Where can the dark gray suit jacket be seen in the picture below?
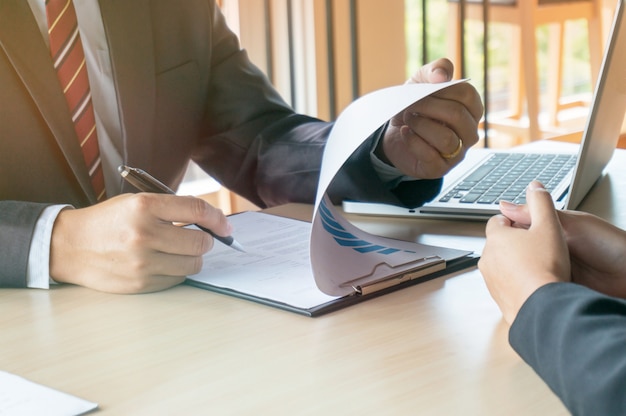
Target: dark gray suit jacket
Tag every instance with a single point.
(575, 339)
(185, 91)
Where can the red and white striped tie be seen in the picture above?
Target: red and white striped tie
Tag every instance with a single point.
(69, 61)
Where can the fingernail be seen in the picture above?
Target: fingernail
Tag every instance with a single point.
(535, 185)
(509, 205)
(441, 72)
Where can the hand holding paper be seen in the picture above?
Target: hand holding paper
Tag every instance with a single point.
(430, 136)
(366, 114)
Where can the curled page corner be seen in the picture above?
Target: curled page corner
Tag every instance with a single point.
(341, 252)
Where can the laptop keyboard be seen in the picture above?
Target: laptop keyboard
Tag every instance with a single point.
(505, 176)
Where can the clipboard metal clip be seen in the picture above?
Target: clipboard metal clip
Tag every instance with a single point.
(372, 284)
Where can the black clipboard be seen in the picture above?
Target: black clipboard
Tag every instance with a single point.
(451, 267)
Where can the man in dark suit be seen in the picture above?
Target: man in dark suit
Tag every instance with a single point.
(559, 279)
(169, 83)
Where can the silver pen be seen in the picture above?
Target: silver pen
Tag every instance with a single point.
(145, 182)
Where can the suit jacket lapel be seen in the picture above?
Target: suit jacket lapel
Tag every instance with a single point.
(128, 29)
(21, 40)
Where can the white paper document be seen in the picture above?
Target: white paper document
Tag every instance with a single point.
(301, 265)
(19, 396)
(276, 265)
(330, 233)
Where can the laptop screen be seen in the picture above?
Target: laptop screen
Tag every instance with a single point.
(606, 116)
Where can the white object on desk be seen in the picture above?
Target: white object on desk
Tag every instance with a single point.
(19, 396)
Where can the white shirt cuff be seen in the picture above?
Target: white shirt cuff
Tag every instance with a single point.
(38, 271)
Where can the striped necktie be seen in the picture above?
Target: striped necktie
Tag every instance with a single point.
(69, 62)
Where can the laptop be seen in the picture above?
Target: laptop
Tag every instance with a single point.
(473, 189)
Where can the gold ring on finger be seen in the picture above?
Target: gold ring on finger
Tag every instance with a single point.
(455, 153)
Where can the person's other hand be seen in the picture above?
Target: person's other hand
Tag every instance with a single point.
(596, 248)
(130, 244)
(431, 136)
(516, 261)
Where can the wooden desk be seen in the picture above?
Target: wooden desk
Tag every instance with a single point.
(438, 348)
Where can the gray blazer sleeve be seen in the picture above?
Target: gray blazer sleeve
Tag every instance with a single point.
(17, 223)
(575, 339)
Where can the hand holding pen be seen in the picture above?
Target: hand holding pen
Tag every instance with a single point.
(147, 183)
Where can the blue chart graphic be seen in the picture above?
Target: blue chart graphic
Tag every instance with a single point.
(347, 239)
